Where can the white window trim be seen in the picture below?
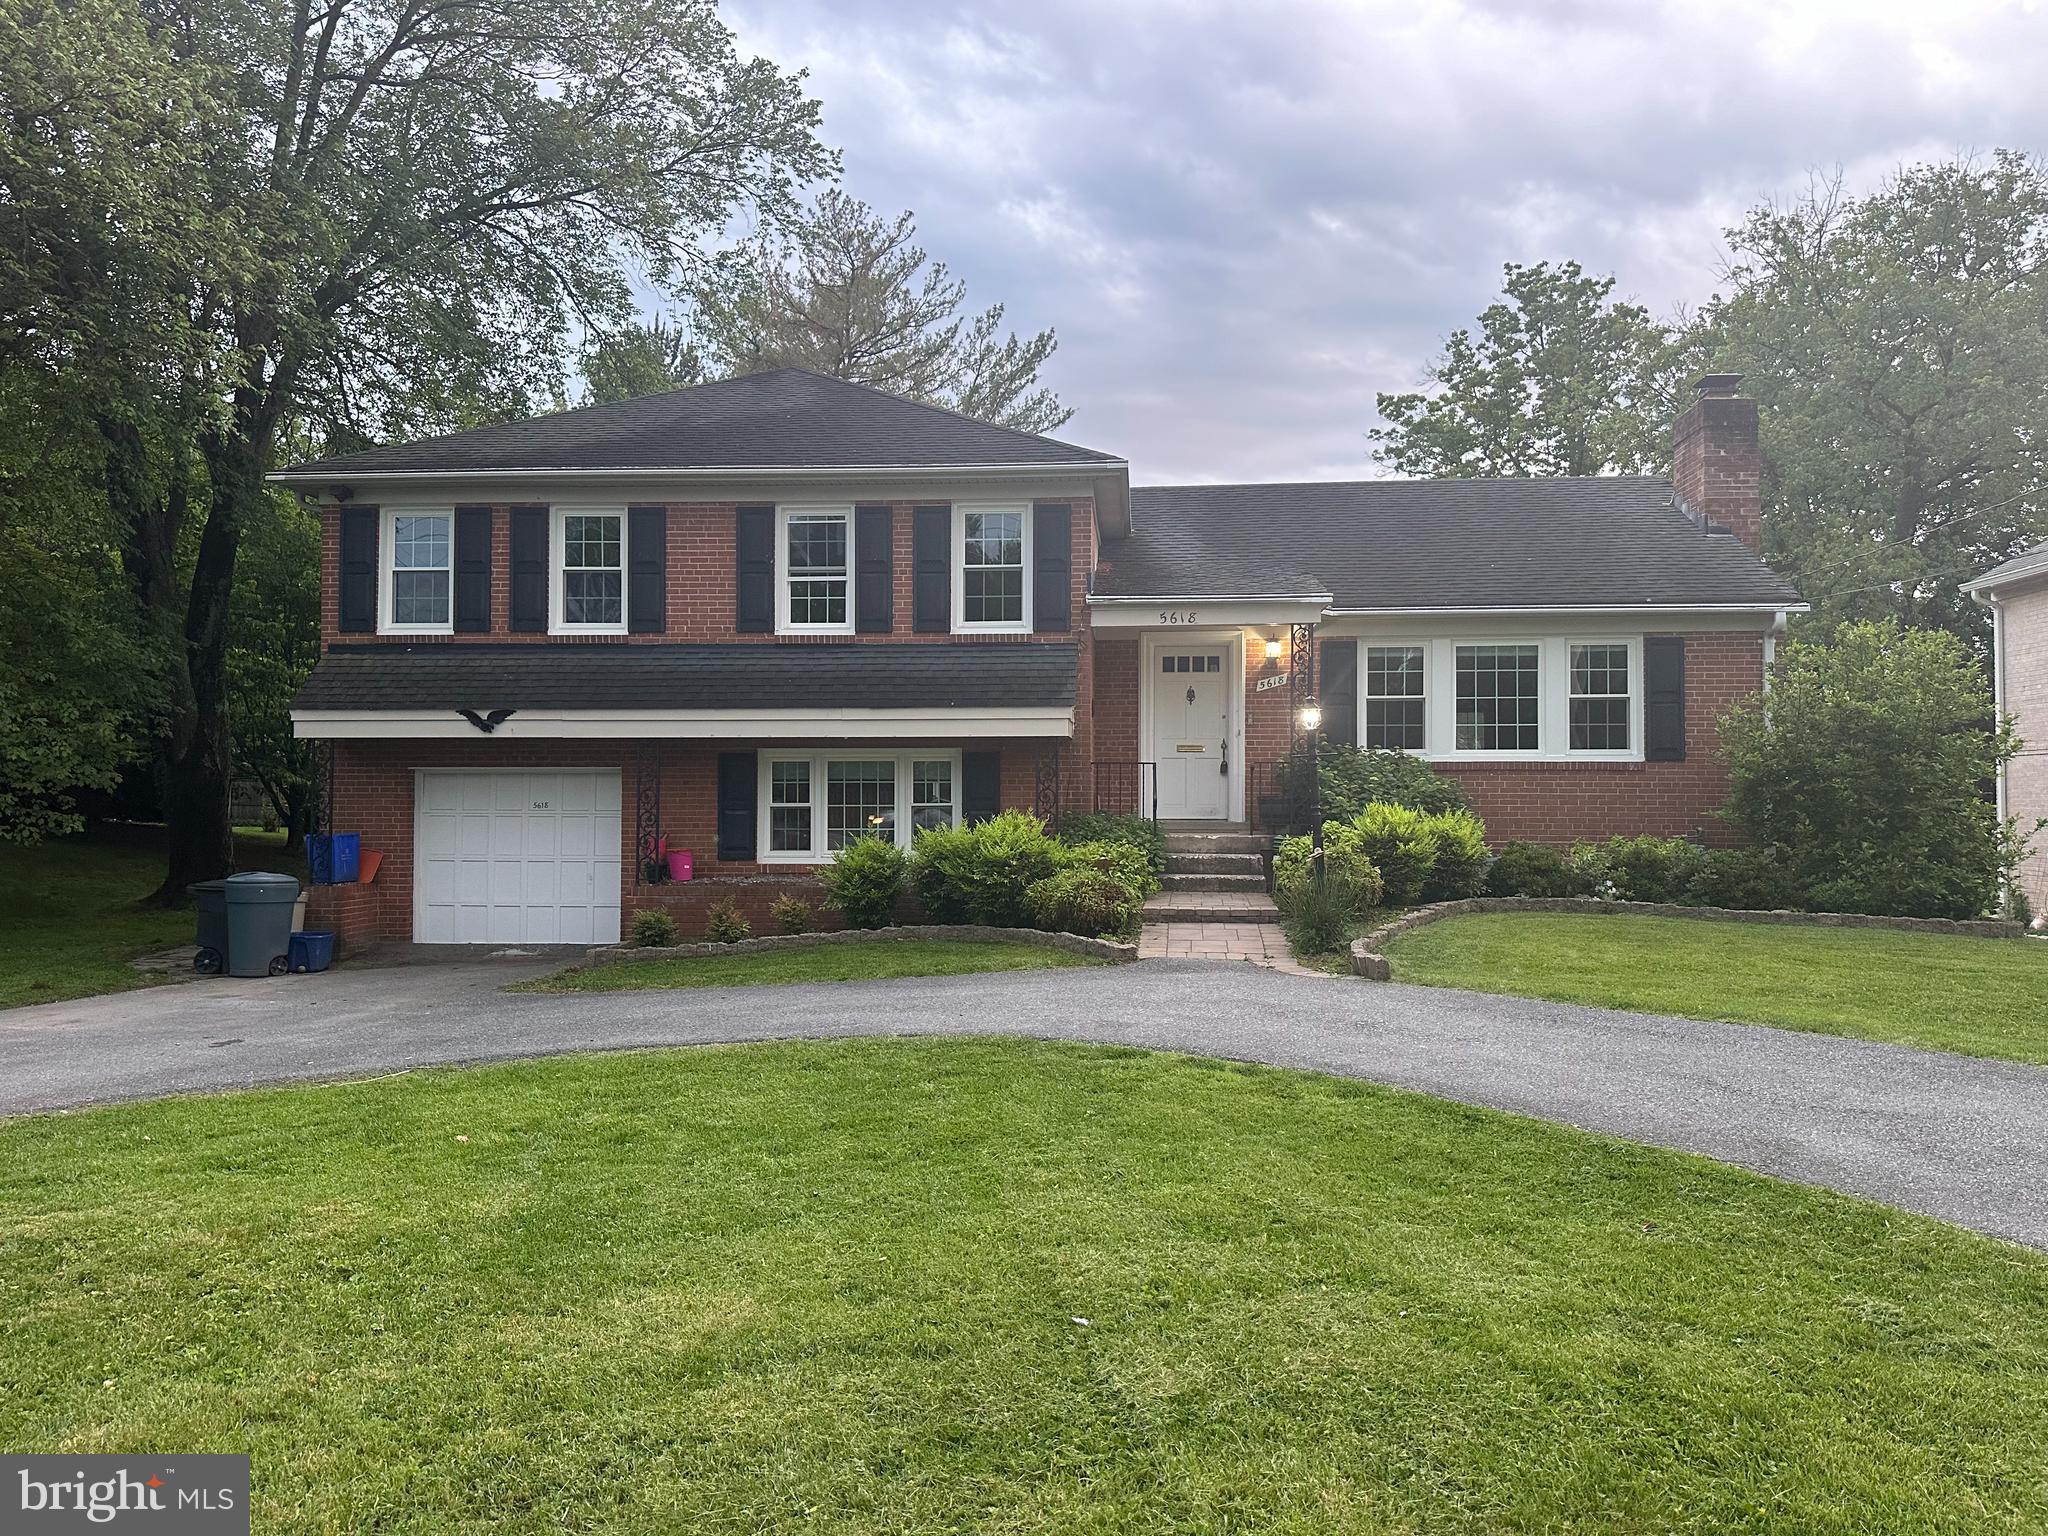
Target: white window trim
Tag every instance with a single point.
(817, 853)
(783, 624)
(1553, 696)
(558, 585)
(1428, 686)
(960, 511)
(387, 584)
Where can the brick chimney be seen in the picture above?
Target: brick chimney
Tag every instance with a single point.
(1716, 466)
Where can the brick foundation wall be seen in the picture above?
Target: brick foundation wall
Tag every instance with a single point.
(2023, 630)
(373, 796)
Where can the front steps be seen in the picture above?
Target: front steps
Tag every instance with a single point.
(1214, 874)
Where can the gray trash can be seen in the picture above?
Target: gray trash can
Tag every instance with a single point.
(260, 923)
(210, 897)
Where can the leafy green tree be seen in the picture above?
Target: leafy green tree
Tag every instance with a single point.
(848, 292)
(1897, 345)
(1561, 379)
(1865, 766)
(389, 211)
(640, 358)
(274, 629)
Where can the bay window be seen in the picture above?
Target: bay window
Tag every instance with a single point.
(815, 803)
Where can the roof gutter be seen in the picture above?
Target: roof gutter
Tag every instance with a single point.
(314, 475)
(1772, 608)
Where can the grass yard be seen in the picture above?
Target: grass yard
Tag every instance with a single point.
(827, 962)
(70, 913)
(1981, 997)
(999, 1286)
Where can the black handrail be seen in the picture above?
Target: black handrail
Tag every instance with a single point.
(1127, 789)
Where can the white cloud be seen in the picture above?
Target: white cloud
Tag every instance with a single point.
(1246, 220)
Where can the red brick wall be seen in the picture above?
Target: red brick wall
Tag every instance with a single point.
(373, 796)
(1717, 466)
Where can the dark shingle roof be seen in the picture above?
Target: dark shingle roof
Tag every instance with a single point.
(786, 419)
(2027, 563)
(949, 675)
(1611, 541)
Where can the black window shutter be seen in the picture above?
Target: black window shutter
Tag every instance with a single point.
(1052, 566)
(646, 570)
(358, 570)
(981, 785)
(529, 569)
(1339, 697)
(1664, 698)
(931, 570)
(874, 567)
(754, 548)
(737, 812)
(473, 570)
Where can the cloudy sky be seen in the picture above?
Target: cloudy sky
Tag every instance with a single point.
(1244, 219)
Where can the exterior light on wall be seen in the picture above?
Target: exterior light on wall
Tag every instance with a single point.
(1273, 650)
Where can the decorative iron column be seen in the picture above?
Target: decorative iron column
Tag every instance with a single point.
(323, 785)
(1301, 682)
(646, 808)
(1046, 789)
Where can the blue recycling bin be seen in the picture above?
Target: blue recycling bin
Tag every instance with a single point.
(311, 950)
(333, 858)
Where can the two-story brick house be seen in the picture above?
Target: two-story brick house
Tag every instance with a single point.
(2017, 595)
(763, 616)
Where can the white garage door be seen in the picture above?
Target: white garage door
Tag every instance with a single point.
(507, 857)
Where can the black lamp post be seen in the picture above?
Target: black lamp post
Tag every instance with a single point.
(1311, 721)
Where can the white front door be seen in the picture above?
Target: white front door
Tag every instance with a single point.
(1191, 731)
(516, 857)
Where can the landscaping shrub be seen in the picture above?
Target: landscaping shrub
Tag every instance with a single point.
(1462, 857)
(1531, 869)
(724, 923)
(1346, 870)
(1320, 917)
(654, 927)
(1590, 872)
(1012, 853)
(941, 865)
(1103, 827)
(1121, 861)
(1354, 777)
(1401, 843)
(1867, 774)
(1084, 900)
(1651, 868)
(1747, 879)
(793, 914)
(865, 880)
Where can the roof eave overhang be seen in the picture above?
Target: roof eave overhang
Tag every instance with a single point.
(1996, 584)
(1123, 611)
(695, 725)
(1101, 471)
(1567, 608)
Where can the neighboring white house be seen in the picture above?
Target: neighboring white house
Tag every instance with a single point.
(2017, 595)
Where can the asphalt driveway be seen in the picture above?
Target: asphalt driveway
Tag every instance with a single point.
(1954, 1137)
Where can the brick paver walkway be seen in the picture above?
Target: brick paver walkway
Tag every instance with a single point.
(1258, 943)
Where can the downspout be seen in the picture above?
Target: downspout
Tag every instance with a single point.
(1997, 610)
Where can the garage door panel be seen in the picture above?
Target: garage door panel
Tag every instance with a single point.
(514, 856)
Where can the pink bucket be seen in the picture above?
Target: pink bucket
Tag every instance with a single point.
(680, 864)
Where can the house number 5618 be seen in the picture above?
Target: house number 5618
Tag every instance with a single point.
(1176, 615)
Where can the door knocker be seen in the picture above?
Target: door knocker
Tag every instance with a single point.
(1191, 695)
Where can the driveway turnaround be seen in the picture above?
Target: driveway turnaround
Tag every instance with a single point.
(1951, 1136)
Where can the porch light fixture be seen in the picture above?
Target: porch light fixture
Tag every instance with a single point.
(1311, 717)
(1272, 650)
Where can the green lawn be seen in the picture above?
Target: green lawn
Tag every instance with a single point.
(827, 962)
(71, 916)
(996, 1286)
(1982, 997)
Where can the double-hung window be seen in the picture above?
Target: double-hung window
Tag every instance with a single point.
(992, 555)
(590, 564)
(1499, 702)
(1600, 697)
(418, 575)
(1396, 697)
(815, 803)
(813, 592)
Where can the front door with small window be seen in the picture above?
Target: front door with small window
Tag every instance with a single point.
(1191, 733)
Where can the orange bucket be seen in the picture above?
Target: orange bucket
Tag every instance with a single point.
(371, 861)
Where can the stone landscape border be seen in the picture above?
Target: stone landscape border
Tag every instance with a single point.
(1368, 960)
(1072, 943)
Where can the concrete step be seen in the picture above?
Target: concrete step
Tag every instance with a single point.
(1180, 882)
(1216, 864)
(1214, 842)
(1211, 907)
